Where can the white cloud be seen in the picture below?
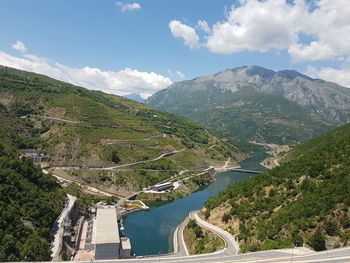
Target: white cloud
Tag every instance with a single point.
(312, 52)
(128, 7)
(202, 24)
(187, 33)
(308, 30)
(180, 74)
(340, 76)
(255, 26)
(121, 82)
(19, 46)
(329, 25)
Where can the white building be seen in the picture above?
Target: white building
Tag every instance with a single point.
(125, 251)
(162, 187)
(107, 240)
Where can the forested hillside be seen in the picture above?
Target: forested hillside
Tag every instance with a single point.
(30, 202)
(304, 201)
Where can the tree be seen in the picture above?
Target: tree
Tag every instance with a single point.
(206, 213)
(35, 249)
(8, 248)
(297, 240)
(331, 228)
(115, 158)
(198, 231)
(191, 224)
(317, 240)
(226, 217)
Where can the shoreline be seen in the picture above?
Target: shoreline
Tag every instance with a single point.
(210, 171)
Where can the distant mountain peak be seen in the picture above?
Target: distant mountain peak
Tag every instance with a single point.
(135, 97)
(292, 74)
(262, 72)
(268, 74)
(259, 103)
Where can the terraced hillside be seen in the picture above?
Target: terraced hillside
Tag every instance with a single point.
(77, 127)
(306, 200)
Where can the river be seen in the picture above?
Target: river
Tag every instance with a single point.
(151, 232)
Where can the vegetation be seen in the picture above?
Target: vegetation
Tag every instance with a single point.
(304, 201)
(30, 202)
(200, 241)
(100, 118)
(244, 115)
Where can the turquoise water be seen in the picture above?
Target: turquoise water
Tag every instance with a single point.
(151, 232)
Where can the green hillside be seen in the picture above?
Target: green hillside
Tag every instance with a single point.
(243, 114)
(87, 120)
(30, 202)
(304, 201)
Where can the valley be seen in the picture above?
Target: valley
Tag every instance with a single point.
(136, 131)
(136, 151)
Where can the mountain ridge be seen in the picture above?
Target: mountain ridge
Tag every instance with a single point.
(317, 105)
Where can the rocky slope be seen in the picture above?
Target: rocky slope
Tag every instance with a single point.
(259, 104)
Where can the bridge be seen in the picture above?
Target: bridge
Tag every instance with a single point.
(246, 171)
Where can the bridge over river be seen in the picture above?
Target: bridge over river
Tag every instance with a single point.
(246, 171)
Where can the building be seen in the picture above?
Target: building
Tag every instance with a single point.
(162, 187)
(125, 251)
(107, 239)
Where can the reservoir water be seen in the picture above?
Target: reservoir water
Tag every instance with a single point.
(151, 232)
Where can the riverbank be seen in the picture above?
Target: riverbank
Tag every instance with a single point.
(152, 232)
(182, 189)
(185, 185)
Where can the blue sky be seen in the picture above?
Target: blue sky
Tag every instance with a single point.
(111, 42)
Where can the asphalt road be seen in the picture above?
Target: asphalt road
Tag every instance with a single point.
(180, 248)
(295, 255)
(54, 119)
(69, 167)
(232, 247)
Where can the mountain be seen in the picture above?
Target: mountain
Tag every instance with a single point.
(135, 97)
(304, 201)
(73, 126)
(259, 104)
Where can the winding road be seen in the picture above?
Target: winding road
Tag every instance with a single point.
(121, 142)
(70, 167)
(52, 118)
(232, 247)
